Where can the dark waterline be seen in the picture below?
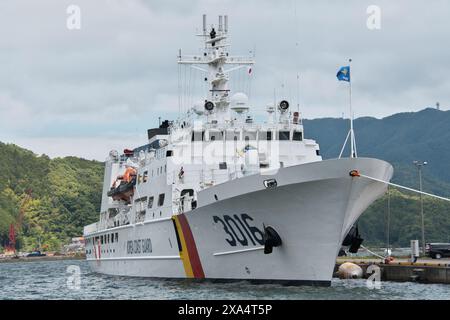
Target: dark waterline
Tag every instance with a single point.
(48, 280)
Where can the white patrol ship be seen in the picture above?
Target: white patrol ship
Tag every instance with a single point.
(214, 195)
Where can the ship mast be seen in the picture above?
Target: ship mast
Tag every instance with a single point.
(216, 58)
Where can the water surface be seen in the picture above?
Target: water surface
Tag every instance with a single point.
(48, 280)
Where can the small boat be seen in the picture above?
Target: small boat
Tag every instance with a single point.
(124, 191)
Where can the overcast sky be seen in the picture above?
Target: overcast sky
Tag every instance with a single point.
(84, 92)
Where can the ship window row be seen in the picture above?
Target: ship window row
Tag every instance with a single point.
(140, 203)
(143, 178)
(103, 239)
(89, 251)
(247, 135)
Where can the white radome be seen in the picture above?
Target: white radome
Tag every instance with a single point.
(239, 99)
(198, 108)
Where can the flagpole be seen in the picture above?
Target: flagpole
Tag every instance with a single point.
(352, 135)
(344, 74)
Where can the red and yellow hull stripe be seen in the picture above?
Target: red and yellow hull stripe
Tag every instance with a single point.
(188, 253)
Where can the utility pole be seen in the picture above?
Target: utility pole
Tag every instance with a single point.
(388, 222)
(419, 165)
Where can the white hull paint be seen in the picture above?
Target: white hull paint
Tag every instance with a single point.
(312, 209)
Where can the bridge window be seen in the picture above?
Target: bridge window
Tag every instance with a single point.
(150, 202)
(232, 135)
(298, 136)
(283, 135)
(249, 135)
(145, 176)
(161, 199)
(198, 135)
(215, 136)
(265, 135)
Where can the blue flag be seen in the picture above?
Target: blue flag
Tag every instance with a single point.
(344, 74)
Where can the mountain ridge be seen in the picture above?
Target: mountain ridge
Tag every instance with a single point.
(399, 139)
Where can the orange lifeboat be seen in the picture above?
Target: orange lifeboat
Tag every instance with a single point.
(125, 190)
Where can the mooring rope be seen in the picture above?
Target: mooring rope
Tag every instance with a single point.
(403, 187)
(357, 174)
(373, 253)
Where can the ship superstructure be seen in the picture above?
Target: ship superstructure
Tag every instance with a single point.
(215, 194)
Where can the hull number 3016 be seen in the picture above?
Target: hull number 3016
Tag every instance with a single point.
(240, 229)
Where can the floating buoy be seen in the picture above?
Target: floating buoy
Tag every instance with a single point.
(350, 270)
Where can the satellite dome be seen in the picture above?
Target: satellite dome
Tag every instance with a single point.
(198, 108)
(239, 99)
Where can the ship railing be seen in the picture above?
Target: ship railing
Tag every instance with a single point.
(207, 177)
(183, 203)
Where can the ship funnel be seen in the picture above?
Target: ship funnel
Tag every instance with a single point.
(226, 23)
(220, 23)
(204, 24)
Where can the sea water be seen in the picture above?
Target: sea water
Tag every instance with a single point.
(73, 279)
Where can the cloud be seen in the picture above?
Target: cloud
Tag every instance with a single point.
(120, 71)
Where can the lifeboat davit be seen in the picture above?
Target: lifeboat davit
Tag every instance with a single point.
(124, 191)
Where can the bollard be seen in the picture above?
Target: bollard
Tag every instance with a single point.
(414, 250)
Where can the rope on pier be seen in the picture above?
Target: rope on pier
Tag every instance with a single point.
(373, 253)
(403, 187)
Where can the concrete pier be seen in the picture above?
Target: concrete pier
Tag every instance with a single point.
(423, 270)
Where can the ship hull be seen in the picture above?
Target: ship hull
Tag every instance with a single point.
(312, 207)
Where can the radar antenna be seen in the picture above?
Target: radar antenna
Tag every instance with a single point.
(216, 58)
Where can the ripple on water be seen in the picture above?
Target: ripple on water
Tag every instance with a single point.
(48, 280)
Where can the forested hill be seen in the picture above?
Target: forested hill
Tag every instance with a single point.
(65, 195)
(66, 192)
(399, 139)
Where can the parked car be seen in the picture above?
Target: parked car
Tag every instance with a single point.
(437, 250)
(36, 254)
